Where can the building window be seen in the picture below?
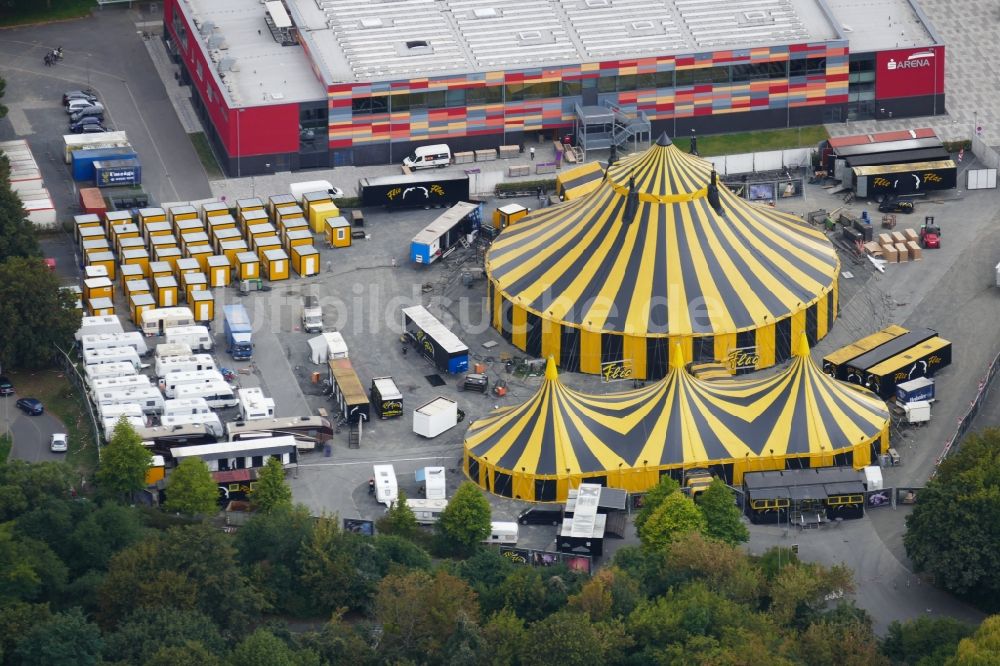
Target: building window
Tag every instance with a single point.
(366, 105)
(484, 95)
(627, 82)
(758, 71)
(816, 65)
(655, 80)
(418, 100)
(211, 94)
(180, 30)
(517, 92)
(454, 98)
(861, 71)
(702, 75)
(607, 84)
(571, 88)
(197, 69)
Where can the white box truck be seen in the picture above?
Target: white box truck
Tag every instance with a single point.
(386, 490)
(196, 337)
(299, 189)
(254, 404)
(112, 355)
(327, 347)
(435, 417)
(191, 363)
(98, 325)
(170, 381)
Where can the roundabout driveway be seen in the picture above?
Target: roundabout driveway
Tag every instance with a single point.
(31, 434)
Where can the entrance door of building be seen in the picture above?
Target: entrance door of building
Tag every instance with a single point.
(589, 92)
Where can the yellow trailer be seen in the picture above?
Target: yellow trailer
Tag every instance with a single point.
(105, 259)
(84, 221)
(163, 240)
(505, 216)
(101, 307)
(265, 243)
(338, 232)
(288, 213)
(201, 253)
(219, 271)
(298, 237)
(127, 230)
(249, 218)
(193, 282)
(133, 287)
(169, 255)
(136, 256)
(275, 264)
(230, 249)
(318, 215)
(202, 304)
(166, 291)
(305, 260)
(223, 235)
(99, 287)
(139, 304)
(193, 240)
(244, 206)
(95, 271)
(185, 265)
(91, 233)
(247, 266)
(147, 215)
(128, 272)
(212, 209)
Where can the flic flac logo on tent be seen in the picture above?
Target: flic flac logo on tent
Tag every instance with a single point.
(913, 61)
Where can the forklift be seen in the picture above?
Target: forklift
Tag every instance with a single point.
(930, 234)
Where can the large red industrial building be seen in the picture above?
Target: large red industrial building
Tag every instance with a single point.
(298, 84)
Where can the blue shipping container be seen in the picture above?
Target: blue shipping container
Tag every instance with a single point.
(117, 172)
(83, 160)
(921, 388)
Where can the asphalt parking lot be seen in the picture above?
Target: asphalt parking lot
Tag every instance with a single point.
(30, 434)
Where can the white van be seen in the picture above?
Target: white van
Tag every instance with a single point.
(100, 324)
(132, 339)
(148, 398)
(108, 383)
(112, 355)
(213, 425)
(124, 409)
(163, 350)
(195, 337)
(424, 157)
(157, 320)
(120, 369)
(170, 382)
(427, 511)
(501, 532)
(191, 363)
(177, 407)
(218, 395)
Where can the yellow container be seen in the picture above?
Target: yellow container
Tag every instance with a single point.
(201, 253)
(259, 231)
(99, 287)
(266, 243)
(276, 201)
(247, 266)
(212, 209)
(128, 272)
(155, 229)
(305, 260)
(100, 307)
(202, 304)
(289, 212)
(298, 237)
(160, 269)
(217, 223)
(218, 270)
(130, 243)
(231, 248)
(84, 221)
(169, 255)
(193, 240)
(246, 205)
(223, 235)
(293, 224)
(133, 287)
(91, 233)
(136, 257)
(310, 199)
(95, 271)
(188, 225)
(120, 231)
(166, 291)
(193, 282)
(338, 232)
(156, 472)
(113, 218)
(96, 244)
(147, 215)
(163, 240)
(139, 304)
(275, 264)
(318, 215)
(178, 214)
(105, 259)
(249, 218)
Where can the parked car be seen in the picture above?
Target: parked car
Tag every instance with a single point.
(96, 111)
(894, 205)
(86, 93)
(30, 406)
(93, 129)
(6, 387)
(537, 516)
(58, 443)
(87, 120)
(78, 104)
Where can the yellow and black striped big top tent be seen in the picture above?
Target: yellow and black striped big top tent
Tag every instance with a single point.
(658, 255)
(560, 438)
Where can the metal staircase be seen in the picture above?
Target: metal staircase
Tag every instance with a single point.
(634, 127)
(354, 437)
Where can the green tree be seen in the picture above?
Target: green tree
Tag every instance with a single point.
(35, 314)
(722, 517)
(399, 519)
(25, 485)
(66, 638)
(269, 547)
(982, 648)
(945, 535)
(29, 570)
(924, 641)
(147, 630)
(272, 491)
(339, 642)
(652, 500)
(190, 653)
(676, 515)
(191, 489)
(565, 638)
(465, 522)
(262, 648)
(17, 618)
(336, 570)
(101, 534)
(504, 632)
(124, 462)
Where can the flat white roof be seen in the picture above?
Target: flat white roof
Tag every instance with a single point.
(430, 325)
(886, 24)
(445, 222)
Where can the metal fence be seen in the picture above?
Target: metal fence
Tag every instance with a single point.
(80, 386)
(966, 421)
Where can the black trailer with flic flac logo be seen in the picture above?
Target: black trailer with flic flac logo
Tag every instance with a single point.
(414, 190)
(921, 360)
(857, 367)
(386, 397)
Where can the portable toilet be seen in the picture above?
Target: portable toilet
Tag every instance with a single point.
(136, 256)
(230, 249)
(318, 215)
(195, 240)
(156, 471)
(160, 228)
(84, 221)
(249, 204)
(122, 231)
(160, 269)
(105, 259)
(201, 253)
(95, 271)
(138, 304)
(127, 272)
(192, 282)
(223, 235)
(266, 243)
(504, 216)
(211, 209)
(275, 264)
(100, 307)
(202, 304)
(297, 237)
(185, 265)
(166, 291)
(133, 287)
(218, 270)
(171, 255)
(247, 266)
(338, 232)
(294, 224)
(291, 212)
(99, 287)
(305, 260)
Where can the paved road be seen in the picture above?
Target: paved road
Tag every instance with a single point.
(31, 433)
